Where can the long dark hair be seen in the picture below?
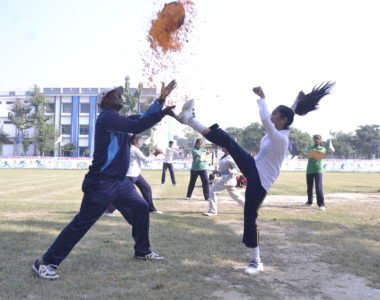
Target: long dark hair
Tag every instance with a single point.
(308, 103)
(311, 100)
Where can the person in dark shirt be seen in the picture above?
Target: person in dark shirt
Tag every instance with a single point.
(106, 182)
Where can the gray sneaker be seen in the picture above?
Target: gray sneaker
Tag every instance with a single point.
(45, 271)
(150, 256)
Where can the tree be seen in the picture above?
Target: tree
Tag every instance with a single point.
(343, 144)
(26, 143)
(251, 137)
(4, 139)
(45, 138)
(131, 101)
(367, 137)
(68, 148)
(299, 142)
(235, 132)
(39, 119)
(21, 118)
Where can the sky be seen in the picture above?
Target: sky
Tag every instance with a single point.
(283, 46)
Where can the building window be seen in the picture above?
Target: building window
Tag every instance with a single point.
(85, 108)
(83, 129)
(8, 122)
(50, 108)
(10, 102)
(66, 129)
(66, 108)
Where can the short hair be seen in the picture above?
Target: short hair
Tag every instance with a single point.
(134, 138)
(171, 142)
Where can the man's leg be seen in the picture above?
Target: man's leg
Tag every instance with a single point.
(309, 183)
(93, 205)
(171, 171)
(319, 189)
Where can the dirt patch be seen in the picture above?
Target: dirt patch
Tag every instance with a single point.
(299, 270)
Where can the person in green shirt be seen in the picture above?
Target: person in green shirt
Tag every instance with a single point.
(198, 168)
(314, 172)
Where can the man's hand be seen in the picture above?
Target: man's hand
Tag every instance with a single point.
(166, 90)
(168, 110)
(259, 92)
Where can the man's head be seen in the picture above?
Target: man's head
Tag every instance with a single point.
(317, 139)
(171, 144)
(111, 99)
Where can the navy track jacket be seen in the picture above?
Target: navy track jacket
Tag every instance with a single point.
(112, 146)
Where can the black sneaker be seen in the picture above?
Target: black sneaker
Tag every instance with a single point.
(45, 271)
(308, 203)
(150, 256)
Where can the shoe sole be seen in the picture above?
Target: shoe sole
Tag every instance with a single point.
(144, 258)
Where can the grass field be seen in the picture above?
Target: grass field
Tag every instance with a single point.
(307, 254)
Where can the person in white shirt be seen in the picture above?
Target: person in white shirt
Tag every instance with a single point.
(137, 159)
(226, 181)
(168, 163)
(262, 170)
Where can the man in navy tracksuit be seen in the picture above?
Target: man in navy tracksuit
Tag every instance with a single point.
(106, 182)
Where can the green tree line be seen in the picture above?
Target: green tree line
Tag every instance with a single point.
(364, 143)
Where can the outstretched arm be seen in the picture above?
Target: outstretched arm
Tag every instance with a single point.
(160, 101)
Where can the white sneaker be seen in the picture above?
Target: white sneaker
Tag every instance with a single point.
(150, 256)
(322, 208)
(187, 198)
(157, 212)
(45, 271)
(207, 214)
(187, 112)
(254, 268)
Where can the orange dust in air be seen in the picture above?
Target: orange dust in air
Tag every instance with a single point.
(163, 32)
(168, 33)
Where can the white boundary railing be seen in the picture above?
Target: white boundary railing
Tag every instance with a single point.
(80, 163)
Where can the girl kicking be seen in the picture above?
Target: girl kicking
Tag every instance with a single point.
(262, 170)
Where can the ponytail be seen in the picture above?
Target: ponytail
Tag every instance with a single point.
(310, 101)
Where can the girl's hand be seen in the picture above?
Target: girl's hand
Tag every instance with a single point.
(259, 92)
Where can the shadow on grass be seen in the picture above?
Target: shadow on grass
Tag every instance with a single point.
(201, 256)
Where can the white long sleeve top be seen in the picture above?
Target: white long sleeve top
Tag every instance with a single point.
(273, 148)
(169, 155)
(227, 163)
(137, 158)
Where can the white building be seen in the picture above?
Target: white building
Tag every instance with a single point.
(73, 112)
